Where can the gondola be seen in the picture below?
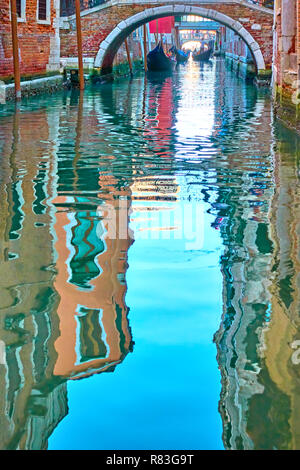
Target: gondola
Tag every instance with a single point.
(218, 53)
(180, 55)
(202, 55)
(157, 61)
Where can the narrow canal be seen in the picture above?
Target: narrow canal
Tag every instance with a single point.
(150, 267)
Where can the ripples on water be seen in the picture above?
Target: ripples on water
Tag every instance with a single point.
(201, 189)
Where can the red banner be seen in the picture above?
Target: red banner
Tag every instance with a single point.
(162, 25)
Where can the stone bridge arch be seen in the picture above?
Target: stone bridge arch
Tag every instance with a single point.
(111, 43)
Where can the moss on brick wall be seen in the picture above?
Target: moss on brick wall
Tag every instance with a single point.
(10, 79)
(286, 109)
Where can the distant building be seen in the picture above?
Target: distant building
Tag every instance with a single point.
(236, 52)
(286, 60)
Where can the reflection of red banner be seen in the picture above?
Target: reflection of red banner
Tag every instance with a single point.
(162, 25)
(160, 117)
(165, 108)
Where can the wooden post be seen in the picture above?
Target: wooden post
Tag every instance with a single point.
(14, 33)
(161, 42)
(79, 45)
(145, 47)
(128, 56)
(149, 36)
(176, 31)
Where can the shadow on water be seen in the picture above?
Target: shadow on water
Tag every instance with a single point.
(76, 203)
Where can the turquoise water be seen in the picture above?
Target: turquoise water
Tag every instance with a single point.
(165, 394)
(149, 282)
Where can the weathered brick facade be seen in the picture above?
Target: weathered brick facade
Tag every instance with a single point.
(38, 42)
(287, 61)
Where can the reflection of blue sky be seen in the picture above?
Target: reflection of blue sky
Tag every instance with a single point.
(185, 308)
(165, 394)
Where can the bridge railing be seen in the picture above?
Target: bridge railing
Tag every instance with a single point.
(67, 7)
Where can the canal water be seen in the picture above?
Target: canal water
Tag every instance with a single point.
(149, 267)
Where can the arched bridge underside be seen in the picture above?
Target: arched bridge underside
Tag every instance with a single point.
(104, 28)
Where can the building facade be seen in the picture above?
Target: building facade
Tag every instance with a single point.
(38, 34)
(286, 60)
(237, 53)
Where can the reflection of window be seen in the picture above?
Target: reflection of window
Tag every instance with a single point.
(38, 206)
(17, 212)
(43, 11)
(91, 336)
(86, 246)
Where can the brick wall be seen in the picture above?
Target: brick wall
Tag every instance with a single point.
(96, 26)
(35, 40)
(287, 60)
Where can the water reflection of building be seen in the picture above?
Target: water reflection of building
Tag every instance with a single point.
(241, 209)
(51, 331)
(31, 403)
(91, 264)
(281, 353)
(62, 292)
(246, 268)
(94, 331)
(256, 340)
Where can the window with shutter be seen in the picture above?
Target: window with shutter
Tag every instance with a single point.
(19, 12)
(42, 10)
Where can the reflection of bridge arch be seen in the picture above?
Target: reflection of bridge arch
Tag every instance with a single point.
(113, 41)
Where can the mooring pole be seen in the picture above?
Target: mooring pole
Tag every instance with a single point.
(128, 56)
(79, 44)
(14, 33)
(145, 47)
(176, 35)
